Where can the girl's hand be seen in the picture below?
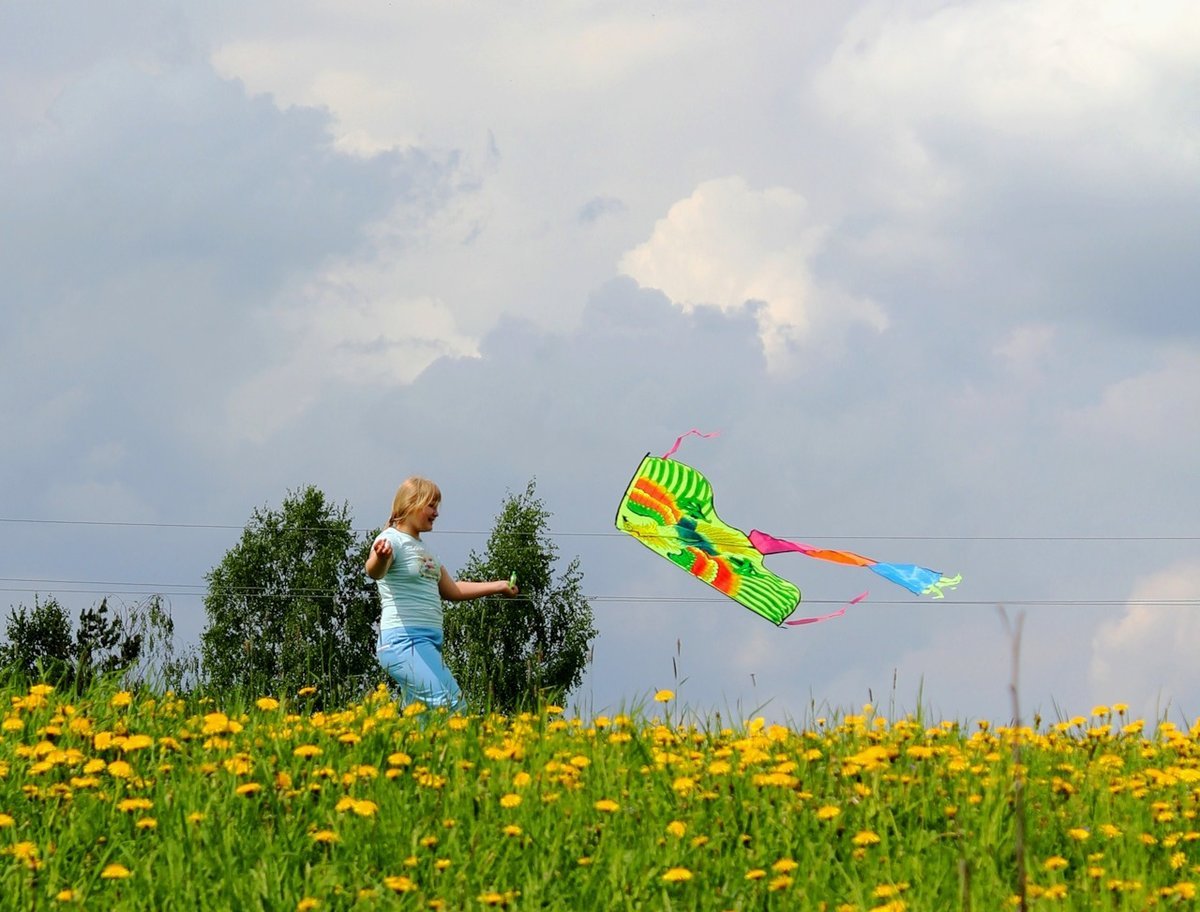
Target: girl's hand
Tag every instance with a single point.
(383, 548)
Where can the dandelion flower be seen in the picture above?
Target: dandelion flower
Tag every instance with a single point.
(123, 698)
(606, 806)
(119, 769)
(1054, 863)
(115, 872)
(828, 812)
(665, 696)
(510, 800)
(677, 828)
(307, 904)
(755, 874)
(325, 837)
(267, 704)
(677, 875)
(306, 751)
(865, 838)
(399, 883)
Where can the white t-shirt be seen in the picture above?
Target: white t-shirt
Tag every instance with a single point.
(409, 589)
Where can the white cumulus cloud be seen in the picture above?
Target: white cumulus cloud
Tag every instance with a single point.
(1147, 656)
(728, 244)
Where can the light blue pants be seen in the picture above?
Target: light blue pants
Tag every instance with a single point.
(412, 656)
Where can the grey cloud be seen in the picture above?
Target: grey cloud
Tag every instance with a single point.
(598, 207)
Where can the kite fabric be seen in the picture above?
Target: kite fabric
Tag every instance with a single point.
(668, 507)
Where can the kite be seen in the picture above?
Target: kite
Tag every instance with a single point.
(668, 507)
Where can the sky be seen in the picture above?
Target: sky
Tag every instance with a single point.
(927, 268)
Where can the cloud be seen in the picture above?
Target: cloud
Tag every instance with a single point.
(1039, 158)
(1150, 407)
(1146, 657)
(169, 238)
(727, 245)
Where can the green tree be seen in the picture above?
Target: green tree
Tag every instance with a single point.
(509, 653)
(289, 606)
(136, 641)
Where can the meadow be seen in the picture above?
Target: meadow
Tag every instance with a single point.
(114, 800)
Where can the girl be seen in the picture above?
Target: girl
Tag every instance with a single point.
(412, 585)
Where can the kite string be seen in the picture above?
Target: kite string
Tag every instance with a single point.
(678, 440)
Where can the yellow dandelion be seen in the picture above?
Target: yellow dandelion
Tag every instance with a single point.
(677, 828)
(307, 904)
(6, 821)
(146, 823)
(665, 696)
(512, 830)
(67, 895)
(606, 806)
(325, 837)
(136, 742)
(782, 882)
(115, 872)
(306, 751)
(366, 808)
(677, 875)
(123, 698)
(195, 817)
(785, 866)
(306, 691)
(865, 838)
(249, 788)
(119, 769)
(828, 812)
(1054, 863)
(398, 883)
(267, 704)
(755, 874)
(510, 800)
(1079, 834)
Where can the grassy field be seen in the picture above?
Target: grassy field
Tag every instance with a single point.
(116, 801)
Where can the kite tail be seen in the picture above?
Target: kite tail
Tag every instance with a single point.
(825, 617)
(934, 590)
(918, 580)
(679, 440)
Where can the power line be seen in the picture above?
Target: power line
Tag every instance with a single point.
(617, 534)
(199, 589)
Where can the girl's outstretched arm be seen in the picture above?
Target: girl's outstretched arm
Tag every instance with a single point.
(453, 591)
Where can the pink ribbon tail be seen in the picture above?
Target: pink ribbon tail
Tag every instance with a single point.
(825, 617)
(692, 433)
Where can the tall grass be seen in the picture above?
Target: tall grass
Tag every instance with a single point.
(112, 801)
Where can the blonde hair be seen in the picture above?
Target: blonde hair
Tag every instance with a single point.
(413, 493)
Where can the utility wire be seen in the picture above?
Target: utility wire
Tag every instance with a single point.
(198, 589)
(617, 534)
